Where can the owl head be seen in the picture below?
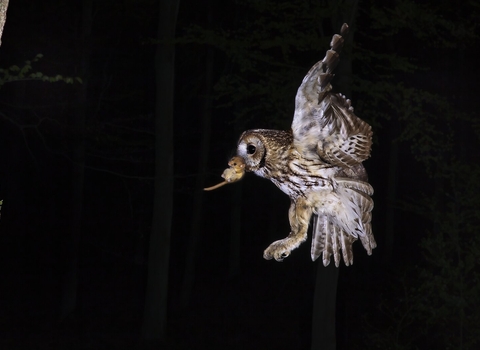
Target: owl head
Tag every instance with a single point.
(251, 147)
(262, 147)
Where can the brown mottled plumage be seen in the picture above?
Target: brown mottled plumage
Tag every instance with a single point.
(319, 166)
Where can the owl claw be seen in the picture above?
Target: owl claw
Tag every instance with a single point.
(277, 250)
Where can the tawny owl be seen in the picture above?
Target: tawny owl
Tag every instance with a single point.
(318, 164)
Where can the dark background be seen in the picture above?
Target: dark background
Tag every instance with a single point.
(414, 77)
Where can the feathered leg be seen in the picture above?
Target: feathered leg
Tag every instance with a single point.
(299, 215)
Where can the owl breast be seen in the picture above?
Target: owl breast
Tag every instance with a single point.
(295, 187)
(271, 154)
(299, 177)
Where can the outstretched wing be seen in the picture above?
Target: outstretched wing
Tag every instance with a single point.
(324, 123)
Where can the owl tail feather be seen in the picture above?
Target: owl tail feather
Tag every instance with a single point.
(335, 232)
(329, 240)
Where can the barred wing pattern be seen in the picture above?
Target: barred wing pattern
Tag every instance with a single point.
(324, 123)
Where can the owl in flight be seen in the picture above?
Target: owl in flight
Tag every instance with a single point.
(318, 164)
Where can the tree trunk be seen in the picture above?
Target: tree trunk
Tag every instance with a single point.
(70, 279)
(234, 266)
(196, 220)
(392, 189)
(155, 313)
(324, 305)
(3, 16)
(325, 295)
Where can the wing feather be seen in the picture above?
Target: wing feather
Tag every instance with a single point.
(324, 124)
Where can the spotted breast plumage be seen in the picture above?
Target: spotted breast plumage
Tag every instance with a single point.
(318, 164)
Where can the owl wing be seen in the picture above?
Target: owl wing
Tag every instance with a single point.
(324, 123)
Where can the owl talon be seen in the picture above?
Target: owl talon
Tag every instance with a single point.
(277, 250)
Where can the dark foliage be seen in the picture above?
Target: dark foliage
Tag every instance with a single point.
(414, 79)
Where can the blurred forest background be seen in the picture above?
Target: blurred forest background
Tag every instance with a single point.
(91, 193)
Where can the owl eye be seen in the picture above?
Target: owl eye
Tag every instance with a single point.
(251, 149)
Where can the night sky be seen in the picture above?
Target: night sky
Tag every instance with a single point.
(414, 78)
